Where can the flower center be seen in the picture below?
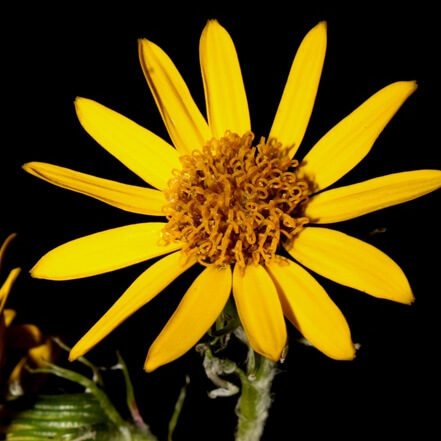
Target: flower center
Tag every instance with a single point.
(234, 202)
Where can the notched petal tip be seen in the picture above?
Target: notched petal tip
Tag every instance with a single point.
(79, 100)
(80, 348)
(79, 103)
(27, 167)
(347, 356)
(414, 84)
(402, 294)
(407, 298)
(275, 356)
(213, 22)
(153, 360)
(144, 50)
(322, 24)
(150, 365)
(75, 354)
(36, 272)
(144, 43)
(32, 168)
(410, 85)
(410, 302)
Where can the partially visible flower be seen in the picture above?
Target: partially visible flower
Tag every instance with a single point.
(231, 203)
(88, 415)
(26, 339)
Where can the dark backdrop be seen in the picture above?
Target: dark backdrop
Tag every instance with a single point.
(53, 54)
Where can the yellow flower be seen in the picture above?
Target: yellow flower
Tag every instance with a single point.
(27, 337)
(232, 206)
(6, 315)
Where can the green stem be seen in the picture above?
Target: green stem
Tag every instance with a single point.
(177, 411)
(255, 392)
(95, 370)
(130, 397)
(255, 398)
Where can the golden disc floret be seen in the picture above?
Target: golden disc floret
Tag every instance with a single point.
(234, 202)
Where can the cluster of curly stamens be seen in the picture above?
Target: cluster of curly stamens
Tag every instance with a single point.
(233, 202)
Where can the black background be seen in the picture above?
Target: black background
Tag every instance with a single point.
(50, 55)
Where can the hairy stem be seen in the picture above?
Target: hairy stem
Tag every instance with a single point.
(255, 398)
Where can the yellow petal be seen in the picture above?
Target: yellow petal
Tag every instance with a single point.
(150, 283)
(9, 316)
(4, 246)
(198, 310)
(298, 97)
(41, 353)
(24, 336)
(226, 100)
(126, 197)
(185, 124)
(103, 252)
(146, 154)
(5, 289)
(351, 262)
(308, 307)
(2, 339)
(347, 143)
(259, 310)
(355, 200)
(35, 357)
(14, 377)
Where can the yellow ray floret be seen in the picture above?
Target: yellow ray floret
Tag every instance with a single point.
(146, 154)
(150, 283)
(351, 262)
(259, 310)
(347, 143)
(308, 307)
(4, 246)
(185, 124)
(355, 200)
(226, 100)
(126, 197)
(103, 252)
(5, 289)
(197, 311)
(8, 316)
(298, 97)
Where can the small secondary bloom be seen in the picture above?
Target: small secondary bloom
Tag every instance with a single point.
(24, 337)
(231, 203)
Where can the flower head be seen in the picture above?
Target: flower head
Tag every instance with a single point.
(27, 338)
(232, 202)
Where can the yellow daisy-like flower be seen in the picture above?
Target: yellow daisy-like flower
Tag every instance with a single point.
(25, 337)
(6, 315)
(231, 204)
